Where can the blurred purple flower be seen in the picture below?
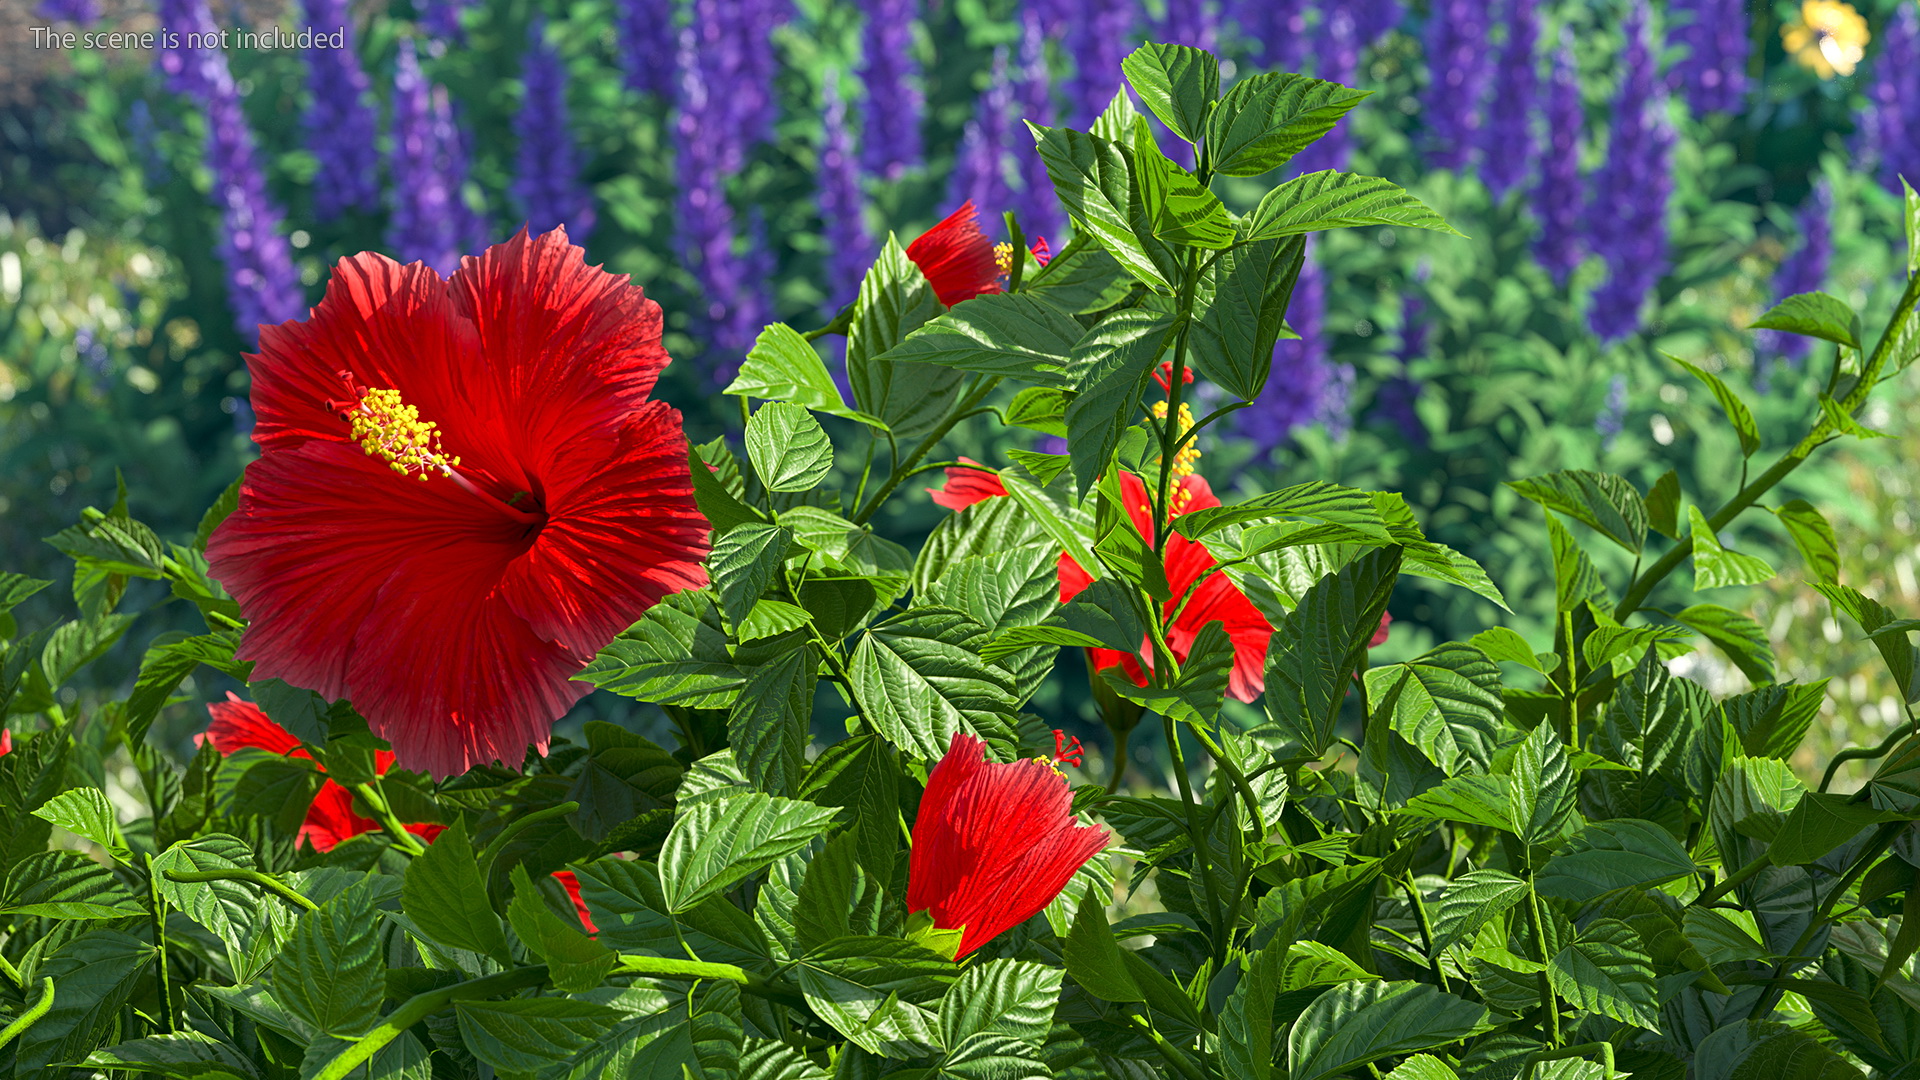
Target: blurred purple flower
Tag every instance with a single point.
(1508, 145)
(547, 187)
(1297, 391)
(1191, 22)
(93, 356)
(1886, 141)
(850, 247)
(1458, 72)
(342, 130)
(1099, 37)
(1713, 74)
(1557, 194)
(980, 170)
(431, 221)
(1035, 205)
(1804, 270)
(646, 45)
(76, 11)
(441, 18)
(1333, 49)
(1373, 18)
(262, 285)
(1627, 202)
(890, 135)
(1612, 419)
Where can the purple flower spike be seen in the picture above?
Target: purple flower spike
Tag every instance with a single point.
(1098, 39)
(1804, 270)
(1297, 389)
(842, 204)
(646, 45)
(1035, 205)
(1275, 32)
(342, 130)
(1558, 197)
(431, 222)
(1458, 75)
(547, 187)
(980, 171)
(1191, 22)
(1885, 142)
(1508, 146)
(1613, 416)
(1627, 207)
(262, 285)
(890, 138)
(74, 11)
(1334, 50)
(1372, 19)
(441, 18)
(1713, 74)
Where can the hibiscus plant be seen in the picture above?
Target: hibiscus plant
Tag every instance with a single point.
(1502, 857)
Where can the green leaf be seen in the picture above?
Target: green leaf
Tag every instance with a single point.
(225, 505)
(1738, 635)
(1356, 1023)
(920, 678)
(871, 990)
(1448, 704)
(768, 727)
(1266, 119)
(1247, 1022)
(302, 712)
(1116, 359)
(1737, 412)
(521, 1035)
(862, 773)
(1818, 824)
(181, 1054)
(1315, 652)
(1471, 901)
(1093, 179)
(789, 449)
(718, 504)
(743, 563)
(115, 543)
(1082, 279)
(577, 962)
(170, 659)
(770, 1059)
(1182, 210)
(1575, 581)
(1767, 1050)
(1197, 695)
(895, 299)
(1004, 997)
(1815, 539)
(74, 645)
(331, 973)
(1315, 500)
(1541, 796)
(1428, 1067)
(1501, 643)
(85, 812)
(1604, 502)
(66, 885)
(1257, 279)
(716, 845)
(1771, 720)
(1663, 505)
(251, 924)
(1042, 408)
(17, 587)
(1895, 649)
(1608, 855)
(1843, 419)
(1715, 566)
(445, 897)
(1470, 799)
(1093, 958)
(94, 975)
(783, 366)
(989, 1056)
(1338, 200)
(1607, 971)
(678, 653)
(1179, 83)
(1816, 315)
(1044, 467)
(998, 334)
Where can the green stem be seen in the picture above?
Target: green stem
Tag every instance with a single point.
(1426, 929)
(1883, 838)
(1740, 877)
(1547, 1000)
(841, 322)
(1202, 860)
(1115, 772)
(517, 826)
(12, 973)
(157, 905)
(1855, 753)
(660, 967)
(419, 1007)
(391, 824)
(901, 469)
(1234, 776)
(265, 881)
(1181, 1061)
(34, 1012)
(1170, 433)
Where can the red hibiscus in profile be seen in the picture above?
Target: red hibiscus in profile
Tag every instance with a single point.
(238, 724)
(1217, 598)
(571, 883)
(6, 741)
(992, 843)
(463, 494)
(960, 262)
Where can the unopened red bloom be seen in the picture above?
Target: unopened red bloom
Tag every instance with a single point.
(993, 844)
(957, 257)
(6, 741)
(463, 494)
(1215, 599)
(571, 883)
(1380, 632)
(239, 724)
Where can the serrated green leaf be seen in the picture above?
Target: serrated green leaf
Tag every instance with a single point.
(1448, 705)
(1315, 500)
(1767, 1050)
(67, 885)
(577, 962)
(1268, 118)
(743, 563)
(1736, 410)
(1339, 200)
(717, 844)
(768, 727)
(1715, 566)
(331, 973)
(896, 299)
(521, 1035)
(446, 898)
(94, 975)
(1316, 650)
(1178, 82)
(85, 812)
(1541, 796)
(678, 653)
(783, 366)
(1608, 855)
(789, 449)
(920, 678)
(1014, 998)
(1818, 824)
(1607, 971)
(1663, 505)
(1115, 360)
(1815, 539)
(1604, 502)
(1181, 209)
(1092, 177)
(1223, 343)
(250, 923)
(1471, 901)
(1356, 1023)
(998, 334)
(874, 991)
(1739, 636)
(1813, 314)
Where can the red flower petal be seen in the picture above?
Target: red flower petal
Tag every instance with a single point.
(331, 818)
(957, 258)
(993, 844)
(237, 724)
(570, 882)
(454, 612)
(6, 741)
(1379, 637)
(967, 486)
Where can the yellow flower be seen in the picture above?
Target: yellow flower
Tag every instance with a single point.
(1829, 38)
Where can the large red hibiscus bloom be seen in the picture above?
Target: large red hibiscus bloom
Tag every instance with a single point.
(1215, 599)
(241, 724)
(992, 843)
(463, 494)
(960, 262)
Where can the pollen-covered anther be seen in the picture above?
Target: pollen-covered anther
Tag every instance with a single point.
(1185, 460)
(388, 428)
(1003, 258)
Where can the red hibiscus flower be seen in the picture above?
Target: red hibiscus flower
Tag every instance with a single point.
(237, 724)
(993, 844)
(1217, 598)
(960, 262)
(6, 741)
(463, 494)
(571, 883)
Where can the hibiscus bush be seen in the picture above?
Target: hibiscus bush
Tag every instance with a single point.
(1502, 857)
